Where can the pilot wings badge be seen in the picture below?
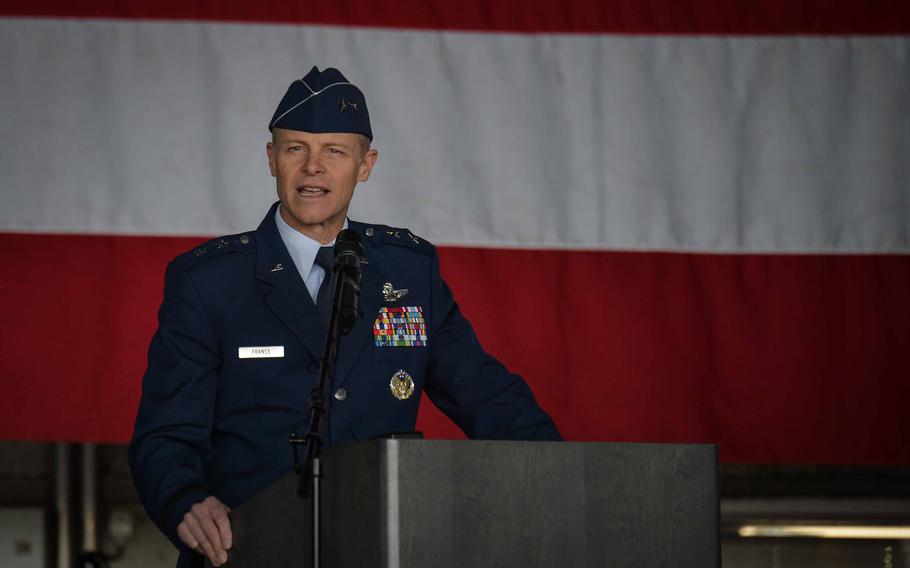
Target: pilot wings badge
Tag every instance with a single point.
(390, 294)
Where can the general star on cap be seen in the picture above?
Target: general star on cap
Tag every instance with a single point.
(344, 105)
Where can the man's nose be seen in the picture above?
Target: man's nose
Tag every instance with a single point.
(313, 164)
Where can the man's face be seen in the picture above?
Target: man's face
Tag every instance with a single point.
(315, 175)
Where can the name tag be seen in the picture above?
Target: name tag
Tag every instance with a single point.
(260, 352)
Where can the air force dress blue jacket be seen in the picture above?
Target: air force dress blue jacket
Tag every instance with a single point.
(215, 413)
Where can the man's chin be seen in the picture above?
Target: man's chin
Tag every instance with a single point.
(310, 221)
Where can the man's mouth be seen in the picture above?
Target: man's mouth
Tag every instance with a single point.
(311, 191)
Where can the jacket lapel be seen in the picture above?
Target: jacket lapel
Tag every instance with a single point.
(283, 288)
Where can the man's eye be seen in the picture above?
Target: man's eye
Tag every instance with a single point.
(335, 151)
(295, 148)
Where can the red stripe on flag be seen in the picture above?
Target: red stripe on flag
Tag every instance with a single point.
(77, 317)
(572, 16)
(778, 358)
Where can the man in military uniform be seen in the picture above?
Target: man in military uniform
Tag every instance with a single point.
(241, 334)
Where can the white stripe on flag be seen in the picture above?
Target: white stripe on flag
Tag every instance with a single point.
(779, 144)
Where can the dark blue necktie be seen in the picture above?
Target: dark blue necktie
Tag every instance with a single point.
(326, 259)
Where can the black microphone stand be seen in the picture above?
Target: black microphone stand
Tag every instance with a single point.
(311, 474)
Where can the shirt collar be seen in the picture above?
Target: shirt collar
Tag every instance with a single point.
(302, 248)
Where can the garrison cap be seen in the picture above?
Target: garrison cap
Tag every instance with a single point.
(323, 101)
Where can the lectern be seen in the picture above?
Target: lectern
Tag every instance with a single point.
(403, 503)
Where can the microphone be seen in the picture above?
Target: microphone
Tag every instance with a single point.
(348, 251)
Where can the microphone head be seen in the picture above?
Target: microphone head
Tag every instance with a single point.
(348, 243)
(348, 251)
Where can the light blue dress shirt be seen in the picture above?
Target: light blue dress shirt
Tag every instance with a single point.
(303, 251)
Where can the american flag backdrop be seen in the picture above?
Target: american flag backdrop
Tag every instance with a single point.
(679, 221)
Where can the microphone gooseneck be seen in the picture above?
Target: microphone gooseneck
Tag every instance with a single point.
(348, 252)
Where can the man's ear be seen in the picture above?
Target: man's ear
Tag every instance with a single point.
(366, 164)
(270, 152)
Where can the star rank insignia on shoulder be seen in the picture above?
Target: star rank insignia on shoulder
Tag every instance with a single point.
(381, 234)
(217, 246)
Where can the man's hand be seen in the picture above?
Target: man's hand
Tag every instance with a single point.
(207, 530)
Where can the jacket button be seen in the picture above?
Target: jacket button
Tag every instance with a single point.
(341, 394)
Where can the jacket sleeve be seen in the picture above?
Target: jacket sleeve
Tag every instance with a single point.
(470, 386)
(171, 441)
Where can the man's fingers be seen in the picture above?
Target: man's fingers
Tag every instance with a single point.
(224, 527)
(204, 515)
(201, 538)
(206, 529)
(184, 533)
(211, 531)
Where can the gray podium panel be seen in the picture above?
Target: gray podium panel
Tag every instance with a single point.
(420, 503)
(272, 529)
(410, 503)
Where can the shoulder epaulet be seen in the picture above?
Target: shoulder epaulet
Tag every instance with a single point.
(384, 235)
(217, 247)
